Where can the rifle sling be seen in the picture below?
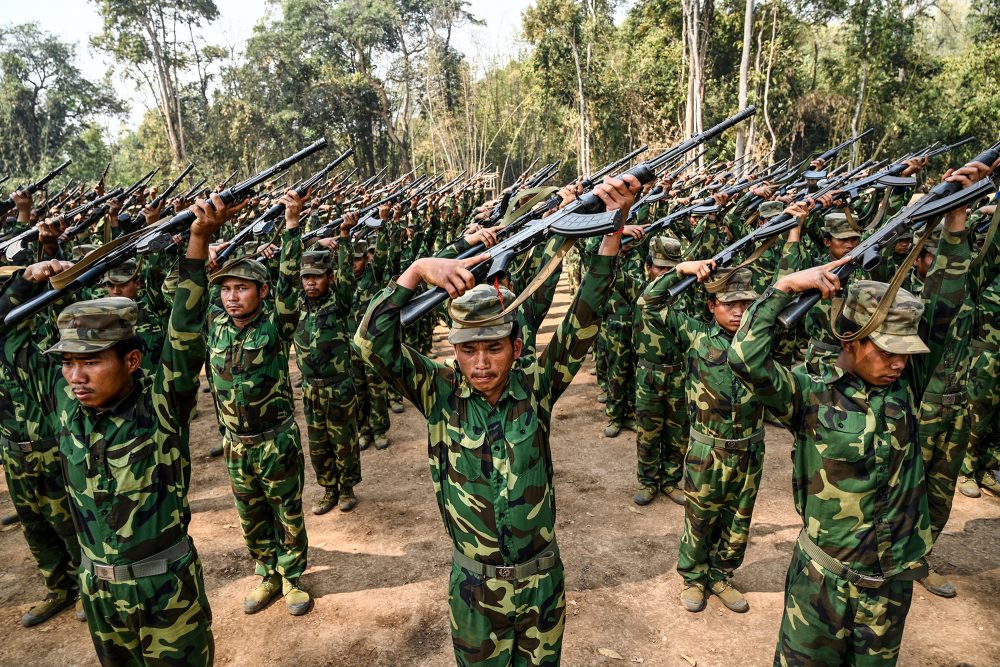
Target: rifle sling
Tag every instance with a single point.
(61, 280)
(988, 241)
(725, 273)
(883, 208)
(537, 195)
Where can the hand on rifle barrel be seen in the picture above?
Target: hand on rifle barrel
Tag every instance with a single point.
(821, 278)
(451, 275)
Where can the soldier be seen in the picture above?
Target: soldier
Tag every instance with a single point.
(323, 354)
(248, 342)
(660, 407)
(126, 281)
(850, 581)
(373, 403)
(839, 238)
(125, 459)
(488, 420)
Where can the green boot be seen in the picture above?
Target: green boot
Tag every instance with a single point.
(989, 482)
(297, 600)
(47, 608)
(644, 496)
(266, 591)
(327, 502)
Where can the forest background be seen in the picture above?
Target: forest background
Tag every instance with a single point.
(585, 81)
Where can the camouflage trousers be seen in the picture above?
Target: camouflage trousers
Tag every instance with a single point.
(983, 452)
(620, 359)
(373, 397)
(662, 421)
(943, 431)
(332, 425)
(267, 480)
(158, 621)
(495, 623)
(720, 487)
(35, 483)
(829, 621)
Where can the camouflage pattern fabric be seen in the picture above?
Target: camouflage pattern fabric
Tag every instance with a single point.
(373, 400)
(491, 466)
(983, 453)
(858, 483)
(331, 423)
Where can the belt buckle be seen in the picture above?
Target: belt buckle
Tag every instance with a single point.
(104, 572)
(867, 581)
(505, 572)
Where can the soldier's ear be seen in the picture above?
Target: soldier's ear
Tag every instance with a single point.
(264, 290)
(133, 360)
(518, 348)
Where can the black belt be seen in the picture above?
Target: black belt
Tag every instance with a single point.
(665, 368)
(326, 382)
(955, 398)
(28, 446)
(257, 438)
(147, 567)
(548, 559)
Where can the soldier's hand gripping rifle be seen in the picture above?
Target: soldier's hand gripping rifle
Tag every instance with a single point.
(371, 222)
(891, 176)
(939, 200)
(584, 216)
(330, 227)
(162, 197)
(155, 238)
(425, 202)
(8, 204)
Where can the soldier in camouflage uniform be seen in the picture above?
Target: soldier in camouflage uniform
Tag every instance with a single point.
(125, 459)
(850, 582)
(839, 238)
(488, 420)
(660, 404)
(323, 354)
(373, 402)
(248, 343)
(126, 281)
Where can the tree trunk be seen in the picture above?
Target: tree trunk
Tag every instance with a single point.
(744, 75)
(767, 83)
(584, 162)
(858, 107)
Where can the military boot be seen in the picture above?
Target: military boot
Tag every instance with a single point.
(938, 585)
(9, 519)
(266, 591)
(216, 451)
(381, 441)
(348, 500)
(364, 440)
(989, 482)
(81, 615)
(968, 487)
(47, 608)
(675, 494)
(644, 495)
(612, 430)
(602, 397)
(693, 597)
(730, 597)
(327, 502)
(396, 406)
(629, 425)
(297, 600)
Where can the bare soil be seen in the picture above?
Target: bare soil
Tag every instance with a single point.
(379, 574)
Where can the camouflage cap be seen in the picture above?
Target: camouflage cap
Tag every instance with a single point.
(665, 251)
(123, 273)
(82, 250)
(316, 263)
(907, 235)
(898, 333)
(836, 225)
(244, 267)
(738, 287)
(769, 209)
(479, 303)
(360, 249)
(92, 326)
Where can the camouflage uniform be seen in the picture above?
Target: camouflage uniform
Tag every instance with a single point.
(127, 470)
(373, 403)
(983, 454)
(323, 354)
(253, 396)
(858, 482)
(619, 320)
(151, 327)
(660, 403)
(492, 470)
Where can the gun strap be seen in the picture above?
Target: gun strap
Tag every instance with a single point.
(61, 280)
(530, 289)
(726, 273)
(536, 195)
(885, 303)
(851, 218)
(883, 208)
(988, 241)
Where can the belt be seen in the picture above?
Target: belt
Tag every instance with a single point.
(29, 446)
(665, 368)
(722, 443)
(823, 347)
(841, 571)
(147, 567)
(326, 382)
(956, 398)
(257, 438)
(546, 561)
(983, 346)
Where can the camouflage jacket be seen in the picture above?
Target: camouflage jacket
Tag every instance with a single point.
(653, 341)
(491, 466)
(127, 468)
(858, 478)
(323, 337)
(250, 365)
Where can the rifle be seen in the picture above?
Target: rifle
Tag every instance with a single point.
(833, 152)
(8, 204)
(591, 181)
(156, 238)
(4, 179)
(162, 197)
(129, 198)
(890, 176)
(940, 199)
(190, 193)
(74, 231)
(440, 191)
(229, 179)
(584, 216)
(325, 230)
(14, 245)
(543, 175)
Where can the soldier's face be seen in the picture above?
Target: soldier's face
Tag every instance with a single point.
(316, 287)
(840, 247)
(102, 378)
(924, 263)
(873, 364)
(728, 315)
(129, 290)
(902, 247)
(487, 364)
(241, 298)
(359, 265)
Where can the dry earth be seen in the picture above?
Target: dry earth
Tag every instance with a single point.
(379, 574)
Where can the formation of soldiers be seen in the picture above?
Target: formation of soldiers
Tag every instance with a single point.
(98, 392)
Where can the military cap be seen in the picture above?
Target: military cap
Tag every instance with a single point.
(907, 235)
(92, 326)
(244, 267)
(897, 334)
(769, 209)
(316, 263)
(482, 302)
(360, 248)
(82, 250)
(665, 251)
(738, 287)
(124, 272)
(836, 225)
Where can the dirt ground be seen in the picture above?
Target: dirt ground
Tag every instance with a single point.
(379, 573)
